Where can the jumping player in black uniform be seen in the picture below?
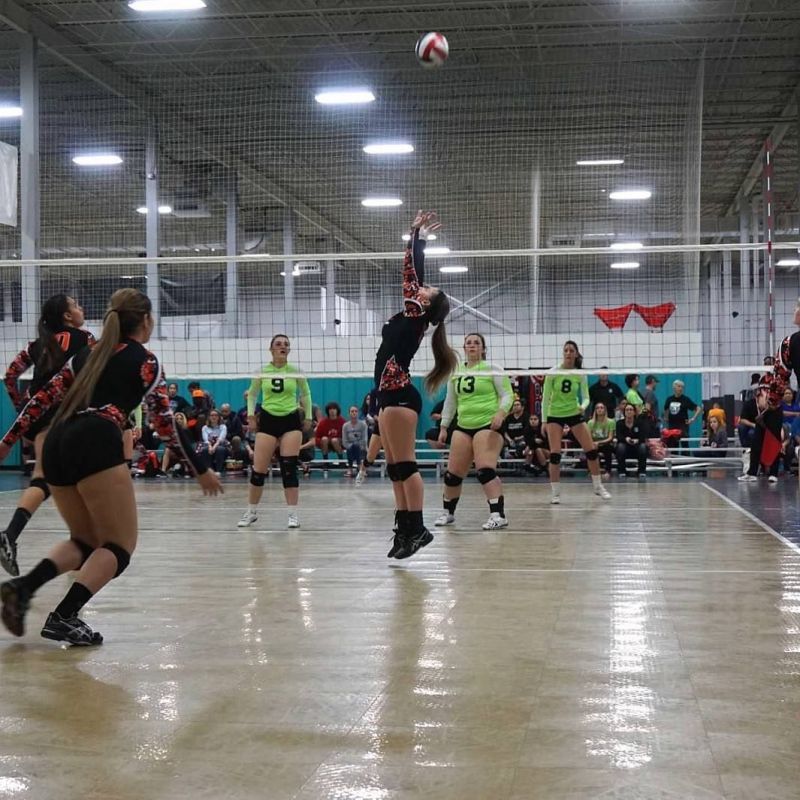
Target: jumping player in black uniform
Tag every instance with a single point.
(85, 466)
(60, 338)
(399, 400)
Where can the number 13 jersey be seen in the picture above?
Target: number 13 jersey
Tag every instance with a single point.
(475, 397)
(279, 393)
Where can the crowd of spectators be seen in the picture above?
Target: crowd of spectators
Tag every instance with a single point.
(629, 427)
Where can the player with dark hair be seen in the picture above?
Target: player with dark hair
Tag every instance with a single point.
(280, 385)
(560, 407)
(482, 401)
(399, 400)
(84, 464)
(59, 337)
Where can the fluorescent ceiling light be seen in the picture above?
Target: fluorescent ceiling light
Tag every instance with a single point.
(10, 112)
(407, 237)
(381, 202)
(295, 273)
(161, 210)
(98, 160)
(388, 149)
(626, 246)
(453, 269)
(631, 194)
(600, 162)
(599, 235)
(344, 97)
(789, 262)
(166, 5)
(625, 265)
(436, 251)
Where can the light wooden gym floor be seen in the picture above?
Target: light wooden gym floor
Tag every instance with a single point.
(646, 647)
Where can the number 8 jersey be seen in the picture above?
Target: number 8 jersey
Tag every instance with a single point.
(476, 397)
(279, 393)
(560, 396)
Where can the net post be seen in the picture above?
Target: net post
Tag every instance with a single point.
(231, 249)
(769, 261)
(151, 222)
(30, 182)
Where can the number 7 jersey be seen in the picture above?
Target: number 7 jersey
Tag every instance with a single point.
(279, 392)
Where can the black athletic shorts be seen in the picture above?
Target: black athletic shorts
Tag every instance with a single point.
(407, 397)
(277, 426)
(575, 419)
(81, 447)
(472, 431)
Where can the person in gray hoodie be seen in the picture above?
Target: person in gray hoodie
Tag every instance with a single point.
(354, 440)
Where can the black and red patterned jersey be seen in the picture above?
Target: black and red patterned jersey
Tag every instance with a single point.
(402, 335)
(131, 376)
(787, 361)
(71, 340)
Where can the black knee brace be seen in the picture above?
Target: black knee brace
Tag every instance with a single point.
(86, 550)
(121, 554)
(592, 455)
(41, 483)
(257, 478)
(289, 472)
(452, 480)
(391, 471)
(405, 469)
(555, 458)
(486, 475)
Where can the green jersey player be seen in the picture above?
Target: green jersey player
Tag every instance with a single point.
(482, 401)
(564, 399)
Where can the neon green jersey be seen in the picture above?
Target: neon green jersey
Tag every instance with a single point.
(560, 395)
(279, 393)
(475, 397)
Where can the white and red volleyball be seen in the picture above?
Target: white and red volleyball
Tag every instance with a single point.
(432, 50)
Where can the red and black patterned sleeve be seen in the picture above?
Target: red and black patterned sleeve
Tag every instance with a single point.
(413, 275)
(23, 361)
(160, 414)
(50, 395)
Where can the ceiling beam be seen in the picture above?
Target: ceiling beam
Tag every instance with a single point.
(73, 54)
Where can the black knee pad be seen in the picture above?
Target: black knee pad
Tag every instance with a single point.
(555, 458)
(452, 480)
(289, 472)
(486, 475)
(391, 471)
(592, 455)
(257, 478)
(121, 554)
(41, 483)
(86, 550)
(405, 469)
(368, 463)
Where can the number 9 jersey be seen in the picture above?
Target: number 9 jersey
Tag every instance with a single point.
(279, 391)
(560, 396)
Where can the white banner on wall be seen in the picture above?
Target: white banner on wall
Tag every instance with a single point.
(8, 184)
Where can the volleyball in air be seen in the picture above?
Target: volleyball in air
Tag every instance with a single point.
(432, 50)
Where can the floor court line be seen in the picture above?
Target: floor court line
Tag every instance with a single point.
(761, 524)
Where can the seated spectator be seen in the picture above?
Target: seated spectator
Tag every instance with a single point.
(231, 421)
(632, 396)
(602, 429)
(354, 439)
(791, 409)
(176, 402)
(755, 382)
(173, 458)
(202, 401)
(716, 411)
(432, 434)
(329, 431)
(631, 443)
(215, 440)
(747, 422)
(716, 439)
(515, 430)
(537, 452)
